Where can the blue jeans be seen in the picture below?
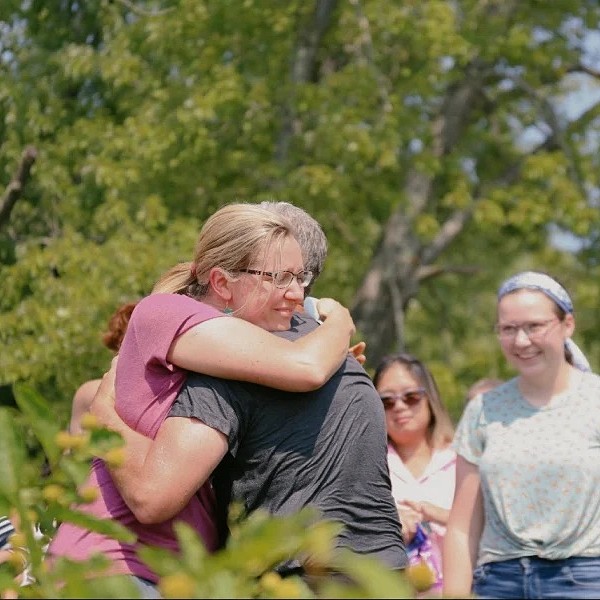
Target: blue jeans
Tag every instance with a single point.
(146, 588)
(533, 577)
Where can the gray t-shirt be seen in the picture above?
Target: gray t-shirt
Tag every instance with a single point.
(539, 469)
(326, 449)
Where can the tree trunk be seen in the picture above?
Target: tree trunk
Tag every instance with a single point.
(402, 261)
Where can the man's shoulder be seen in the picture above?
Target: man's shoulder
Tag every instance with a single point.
(301, 325)
(201, 381)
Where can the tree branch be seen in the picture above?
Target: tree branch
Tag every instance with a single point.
(303, 63)
(558, 131)
(433, 271)
(15, 187)
(579, 68)
(449, 231)
(364, 45)
(142, 12)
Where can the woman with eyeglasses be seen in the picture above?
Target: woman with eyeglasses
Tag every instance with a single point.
(421, 462)
(525, 522)
(247, 265)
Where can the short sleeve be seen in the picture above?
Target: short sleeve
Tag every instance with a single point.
(469, 438)
(158, 319)
(221, 404)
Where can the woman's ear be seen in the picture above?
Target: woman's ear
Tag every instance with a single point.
(220, 284)
(569, 323)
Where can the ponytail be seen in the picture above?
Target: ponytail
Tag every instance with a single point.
(180, 280)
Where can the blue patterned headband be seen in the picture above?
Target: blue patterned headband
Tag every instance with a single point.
(544, 283)
(538, 281)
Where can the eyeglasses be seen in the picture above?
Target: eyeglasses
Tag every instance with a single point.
(410, 398)
(533, 330)
(283, 279)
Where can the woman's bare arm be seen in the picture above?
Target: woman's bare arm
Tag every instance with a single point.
(429, 511)
(81, 403)
(465, 526)
(150, 478)
(235, 349)
(229, 348)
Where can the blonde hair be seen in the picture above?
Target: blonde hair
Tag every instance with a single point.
(236, 237)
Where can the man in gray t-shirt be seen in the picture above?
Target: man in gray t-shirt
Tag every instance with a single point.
(325, 448)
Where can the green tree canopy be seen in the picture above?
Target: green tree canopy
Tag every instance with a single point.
(431, 139)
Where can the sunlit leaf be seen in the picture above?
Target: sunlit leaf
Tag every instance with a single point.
(41, 419)
(12, 452)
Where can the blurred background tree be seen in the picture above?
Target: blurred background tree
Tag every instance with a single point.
(442, 145)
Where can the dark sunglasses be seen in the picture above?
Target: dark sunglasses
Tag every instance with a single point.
(410, 398)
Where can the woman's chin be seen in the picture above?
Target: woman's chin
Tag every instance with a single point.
(283, 325)
(273, 325)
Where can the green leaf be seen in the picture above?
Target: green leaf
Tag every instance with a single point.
(192, 547)
(71, 579)
(105, 526)
(161, 561)
(375, 579)
(115, 586)
(40, 418)
(12, 451)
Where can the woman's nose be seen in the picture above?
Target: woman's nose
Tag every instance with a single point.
(521, 337)
(295, 291)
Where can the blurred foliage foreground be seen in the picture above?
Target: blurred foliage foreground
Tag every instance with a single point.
(242, 570)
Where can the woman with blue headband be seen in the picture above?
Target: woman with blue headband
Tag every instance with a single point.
(525, 522)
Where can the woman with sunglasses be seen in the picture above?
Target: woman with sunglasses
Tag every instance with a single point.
(420, 459)
(525, 522)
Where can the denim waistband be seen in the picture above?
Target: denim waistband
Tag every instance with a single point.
(538, 561)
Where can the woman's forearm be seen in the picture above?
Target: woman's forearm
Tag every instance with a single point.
(327, 346)
(126, 473)
(458, 565)
(465, 526)
(434, 513)
(232, 348)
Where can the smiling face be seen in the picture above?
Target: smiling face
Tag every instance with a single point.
(406, 422)
(256, 299)
(542, 351)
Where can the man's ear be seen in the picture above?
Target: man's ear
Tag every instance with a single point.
(220, 282)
